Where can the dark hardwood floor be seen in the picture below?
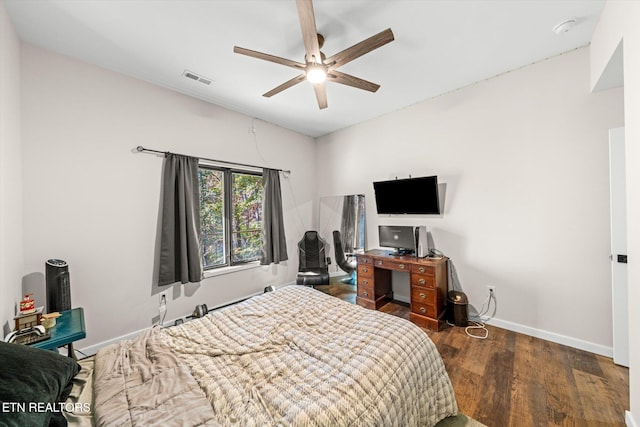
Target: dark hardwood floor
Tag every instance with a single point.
(511, 379)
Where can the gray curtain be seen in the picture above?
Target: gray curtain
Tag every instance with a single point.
(348, 223)
(180, 255)
(274, 244)
(360, 223)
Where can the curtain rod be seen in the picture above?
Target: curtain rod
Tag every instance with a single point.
(141, 149)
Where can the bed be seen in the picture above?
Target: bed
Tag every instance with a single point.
(291, 357)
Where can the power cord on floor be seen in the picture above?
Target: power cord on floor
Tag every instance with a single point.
(479, 324)
(82, 353)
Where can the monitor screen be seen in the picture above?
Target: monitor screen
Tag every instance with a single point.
(408, 196)
(397, 236)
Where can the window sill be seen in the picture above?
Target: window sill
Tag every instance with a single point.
(227, 270)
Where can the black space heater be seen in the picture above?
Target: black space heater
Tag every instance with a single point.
(58, 286)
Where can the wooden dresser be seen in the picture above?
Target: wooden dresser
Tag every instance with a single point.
(428, 280)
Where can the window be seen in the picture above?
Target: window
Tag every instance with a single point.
(230, 216)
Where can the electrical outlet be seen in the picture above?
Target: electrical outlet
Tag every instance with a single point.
(492, 290)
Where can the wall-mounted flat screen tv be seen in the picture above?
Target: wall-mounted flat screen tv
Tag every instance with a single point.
(408, 196)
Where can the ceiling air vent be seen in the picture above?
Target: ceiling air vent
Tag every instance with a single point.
(193, 76)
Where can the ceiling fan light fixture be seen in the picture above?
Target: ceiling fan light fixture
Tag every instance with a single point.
(316, 73)
(317, 68)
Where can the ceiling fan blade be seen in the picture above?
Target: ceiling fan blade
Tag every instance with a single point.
(349, 80)
(359, 49)
(286, 85)
(321, 95)
(309, 32)
(267, 57)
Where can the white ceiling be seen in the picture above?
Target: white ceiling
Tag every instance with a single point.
(440, 45)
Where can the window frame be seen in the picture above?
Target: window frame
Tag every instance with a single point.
(228, 217)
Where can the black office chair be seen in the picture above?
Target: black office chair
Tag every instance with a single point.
(313, 268)
(347, 263)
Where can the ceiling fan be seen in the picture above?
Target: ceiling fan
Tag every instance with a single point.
(316, 67)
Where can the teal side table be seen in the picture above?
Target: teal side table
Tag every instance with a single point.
(69, 328)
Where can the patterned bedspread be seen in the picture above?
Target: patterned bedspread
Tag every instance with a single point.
(295, 357)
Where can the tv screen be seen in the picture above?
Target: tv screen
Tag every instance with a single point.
(408, 196)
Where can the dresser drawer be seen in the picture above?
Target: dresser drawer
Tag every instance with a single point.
(425, 270)
(392, 265)
(365, 271)
(366, 292)
(364, 260)
(365, 281)
(422, 296)
(424, 309)
(422, 280)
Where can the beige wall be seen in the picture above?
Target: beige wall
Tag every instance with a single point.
(90, 200)
(619, 22)
(11, 254)
(524, 157)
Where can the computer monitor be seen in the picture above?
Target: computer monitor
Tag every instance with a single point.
(399, 237)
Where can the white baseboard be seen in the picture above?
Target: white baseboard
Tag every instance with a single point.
(93, 349)
(401, 298)
(629, 419)
(538, 333)
(553, 337)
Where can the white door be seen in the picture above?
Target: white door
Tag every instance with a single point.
(618, 201)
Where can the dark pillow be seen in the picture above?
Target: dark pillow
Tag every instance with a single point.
(32, 381)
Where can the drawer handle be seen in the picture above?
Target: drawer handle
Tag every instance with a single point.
(422, 295)
(421, 270)
(422, 281)
(423, 310)
(365, 282)
(401, 266)
(378, 262)
(365, 293)
(364, 270)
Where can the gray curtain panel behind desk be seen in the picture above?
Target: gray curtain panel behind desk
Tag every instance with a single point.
(348, 223)
(180, 258)
(274, 243)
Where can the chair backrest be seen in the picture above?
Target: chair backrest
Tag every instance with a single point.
(312, 250)
(337, 247)
(341, 259)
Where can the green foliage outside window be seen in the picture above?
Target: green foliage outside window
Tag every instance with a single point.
(241, 236)
(212, 217)
(246, 224)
